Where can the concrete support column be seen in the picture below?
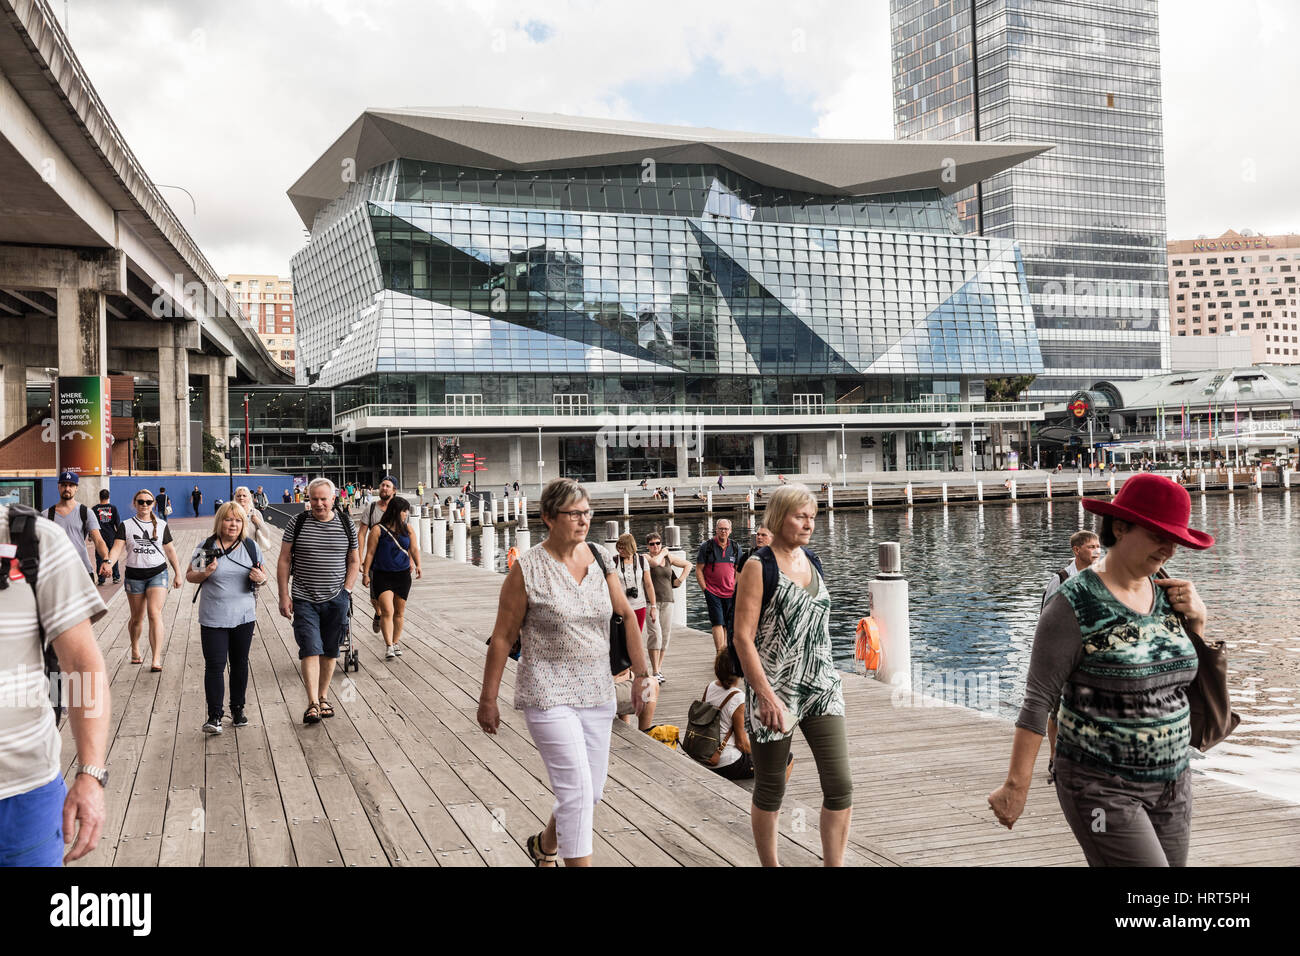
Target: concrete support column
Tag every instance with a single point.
(760, 453)
(683, 461)
(832, 459)
(602, 462)
(217, 372)
(968, 450)
(173, 401)
(900, 451)
(13, 392)
(83, 350)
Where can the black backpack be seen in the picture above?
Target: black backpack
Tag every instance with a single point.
(295, 526)
(771, 575)
(85, 512)
(22, 533)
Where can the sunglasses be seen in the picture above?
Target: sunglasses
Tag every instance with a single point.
(144, 501)
(653, 544)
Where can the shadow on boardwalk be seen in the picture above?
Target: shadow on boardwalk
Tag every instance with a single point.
(404, 776)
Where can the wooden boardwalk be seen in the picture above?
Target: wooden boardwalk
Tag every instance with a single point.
(404, 776)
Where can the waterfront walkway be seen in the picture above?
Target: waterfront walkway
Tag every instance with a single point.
(404, 776)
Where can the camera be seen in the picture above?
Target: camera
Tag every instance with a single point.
(631, 593)
(208, 556)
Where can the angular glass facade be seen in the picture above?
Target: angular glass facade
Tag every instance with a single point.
(1089, 216)
(694, 285)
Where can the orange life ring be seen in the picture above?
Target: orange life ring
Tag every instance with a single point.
(868, 644)
(511, 556)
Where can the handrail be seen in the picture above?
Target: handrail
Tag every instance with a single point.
(594, 410)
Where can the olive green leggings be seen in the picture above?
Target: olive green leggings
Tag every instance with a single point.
(830, 748)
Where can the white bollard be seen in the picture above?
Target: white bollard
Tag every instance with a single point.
(945, 492)
(458, 549)
(1110, 484)
(672, 536)
(1259, 480)
(708, 501)
(625, 508)
(979, 490)
(830, 497)
(1286, 477)
(909, 494)
(1229, 479)
(480, 512)
(888, 593)
(671, 499)
(1202, 482)
(869, 501)
(1013, 489)
(1079, 485)
(523, 540)
(438, 538)
(426, 532)
(749, 501)
(494, 512)
(487, 544)
(1049, 488)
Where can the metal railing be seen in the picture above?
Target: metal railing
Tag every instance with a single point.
(596, 409)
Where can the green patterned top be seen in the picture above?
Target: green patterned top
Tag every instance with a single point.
(1123, 706)
(794, 646)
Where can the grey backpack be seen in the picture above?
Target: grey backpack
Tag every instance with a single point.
(703, 738)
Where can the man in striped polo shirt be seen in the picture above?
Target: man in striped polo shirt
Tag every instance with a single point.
(320, 553)
(33, 799)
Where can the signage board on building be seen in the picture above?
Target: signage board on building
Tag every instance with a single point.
(1231, 245)
(83, 415)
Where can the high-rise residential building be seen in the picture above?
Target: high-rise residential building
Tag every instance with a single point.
(1238, 286)
(519, 283)
(1089, 215)
(268, 302)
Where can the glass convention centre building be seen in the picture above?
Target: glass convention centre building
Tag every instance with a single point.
(621, 301)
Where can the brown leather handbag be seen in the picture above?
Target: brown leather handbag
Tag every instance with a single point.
(1207, 695)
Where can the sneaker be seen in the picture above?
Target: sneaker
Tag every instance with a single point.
(397, 649)
(374, 625)
(659, 678)
(391, 653)
(237, 717)
(213, 726)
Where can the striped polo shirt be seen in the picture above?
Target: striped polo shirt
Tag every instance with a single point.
(29, 738)
(320, 557)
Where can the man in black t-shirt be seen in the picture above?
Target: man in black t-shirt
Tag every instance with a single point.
(109, 521)
(196, 499)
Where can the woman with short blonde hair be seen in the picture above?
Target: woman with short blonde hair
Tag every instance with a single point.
(225, 511)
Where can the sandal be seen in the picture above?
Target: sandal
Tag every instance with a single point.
(326, 708)
(538, 854)
(312, 714)
(137, 660)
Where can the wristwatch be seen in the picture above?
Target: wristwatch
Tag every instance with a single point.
(100, 774)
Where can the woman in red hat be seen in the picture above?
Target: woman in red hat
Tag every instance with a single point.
(1112, 651)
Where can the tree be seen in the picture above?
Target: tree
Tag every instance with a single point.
(212, 460)
(1007, 389)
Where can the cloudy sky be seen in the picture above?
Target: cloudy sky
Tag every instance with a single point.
(235, 99)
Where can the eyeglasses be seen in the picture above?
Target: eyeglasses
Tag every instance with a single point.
(577, 515)
(144, 501)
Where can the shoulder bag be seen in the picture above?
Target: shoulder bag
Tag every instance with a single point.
(1207, 695)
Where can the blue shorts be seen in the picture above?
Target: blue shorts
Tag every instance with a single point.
(318, 627)
(31, 826)
(140, 585)
(721, 609)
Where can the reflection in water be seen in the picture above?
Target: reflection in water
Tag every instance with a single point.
(977, 576)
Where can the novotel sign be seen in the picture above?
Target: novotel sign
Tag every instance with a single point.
(1226, 245)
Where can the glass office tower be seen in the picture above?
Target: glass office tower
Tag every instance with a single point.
(483, 270)
(1089, 216)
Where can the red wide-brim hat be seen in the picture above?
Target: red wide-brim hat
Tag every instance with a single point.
(1157, 503)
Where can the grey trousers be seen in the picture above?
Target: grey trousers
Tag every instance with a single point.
(1122, 823)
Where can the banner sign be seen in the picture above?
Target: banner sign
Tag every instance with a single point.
(84, 417)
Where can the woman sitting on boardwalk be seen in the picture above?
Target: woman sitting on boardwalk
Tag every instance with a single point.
(1111, 649)
(558, 603)
(783, 641)
(227, 567)
(390, 555)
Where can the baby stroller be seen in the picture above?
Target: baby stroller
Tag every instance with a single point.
(349, 654)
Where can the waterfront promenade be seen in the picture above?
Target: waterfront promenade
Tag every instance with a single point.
(403, 775)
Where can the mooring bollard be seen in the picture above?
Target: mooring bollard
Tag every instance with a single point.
(671, 499)
(749, 500)
(480, 512)
(626, 513)
(1110, 485)
(611, 533)
(830, 497)
(945, 492)
(1079, 485)
(487, 548)
(458, 549)
(1259, 480)
(1286, 477)
(1202, 482)
(672, 536)
(438, 538)
(1049, 488)
(523, 539)
(979, 490)
(888, 593)
(708, 501)
(870, 503)
(426, 532)
(909, 494)
(1013, 489)
(492, 512)
(1229, 479)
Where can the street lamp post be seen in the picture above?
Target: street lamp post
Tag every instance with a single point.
(322, 448)
(232, 451)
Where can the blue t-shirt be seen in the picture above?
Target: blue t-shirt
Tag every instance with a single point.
(227, 598)
(391, 555)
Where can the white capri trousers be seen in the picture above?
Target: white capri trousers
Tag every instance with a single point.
(574, 744)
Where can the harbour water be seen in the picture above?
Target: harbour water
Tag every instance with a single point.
(976, 577)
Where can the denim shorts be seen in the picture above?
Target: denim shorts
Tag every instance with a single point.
(720, 609)
(140, 585)
(318, 627)
(31, 826)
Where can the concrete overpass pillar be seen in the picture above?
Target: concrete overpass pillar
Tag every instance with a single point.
(83, 350)
(217, 370)
(173, 400)
(760, 454)
(13, 392)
